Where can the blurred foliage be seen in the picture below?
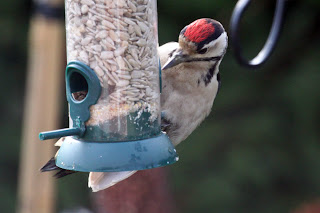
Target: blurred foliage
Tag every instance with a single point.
(259, 150)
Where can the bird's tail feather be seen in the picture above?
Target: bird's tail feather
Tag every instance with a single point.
(51, 166)
(63, 173)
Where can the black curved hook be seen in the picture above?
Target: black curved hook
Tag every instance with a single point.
(268, 47)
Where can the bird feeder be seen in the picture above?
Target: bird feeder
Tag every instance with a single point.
(113, 88)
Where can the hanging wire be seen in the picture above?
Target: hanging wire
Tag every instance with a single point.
(268, 47)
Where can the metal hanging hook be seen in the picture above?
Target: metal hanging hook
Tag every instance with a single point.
(268, 47)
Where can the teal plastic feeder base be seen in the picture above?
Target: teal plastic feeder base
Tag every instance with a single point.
(84, 156)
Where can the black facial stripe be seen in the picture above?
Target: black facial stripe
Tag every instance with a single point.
(207, 78)
(217, 58)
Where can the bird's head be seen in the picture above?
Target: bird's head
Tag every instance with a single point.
(204, 41)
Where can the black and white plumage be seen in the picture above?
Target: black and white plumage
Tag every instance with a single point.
(190, 82)
(190, 76)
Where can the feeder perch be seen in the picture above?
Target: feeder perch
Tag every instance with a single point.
(113, 89)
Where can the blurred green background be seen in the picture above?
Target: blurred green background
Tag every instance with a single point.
(258, 151)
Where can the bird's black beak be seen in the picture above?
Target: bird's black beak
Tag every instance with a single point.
(177, 58)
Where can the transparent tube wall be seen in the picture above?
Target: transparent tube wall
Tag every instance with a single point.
(118, 39)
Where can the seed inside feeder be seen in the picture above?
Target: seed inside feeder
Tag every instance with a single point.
(118, 40)
(79, 96)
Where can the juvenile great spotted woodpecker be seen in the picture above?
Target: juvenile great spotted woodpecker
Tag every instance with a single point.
(190, 82)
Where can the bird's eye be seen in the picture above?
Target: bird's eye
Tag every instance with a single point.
(203, 51)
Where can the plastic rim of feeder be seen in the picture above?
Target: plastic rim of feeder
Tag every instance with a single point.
(85, 156)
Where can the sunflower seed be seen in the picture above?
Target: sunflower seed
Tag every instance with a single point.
(141, 42)
(143, 26)
(114, 36)
(137, 30)
(128, 21)
(136, 74)
(123, 83)
(96, 48)
(120, 62)
(132, 6)
(99, 71)
(87, 2)
(106, 54)
(108, 24)
(119, 51)
(102, 34)
(126, 77)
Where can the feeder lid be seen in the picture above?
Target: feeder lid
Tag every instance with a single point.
(85, 156)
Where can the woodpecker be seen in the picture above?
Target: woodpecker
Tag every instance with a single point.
(190, 76)
(190, 82)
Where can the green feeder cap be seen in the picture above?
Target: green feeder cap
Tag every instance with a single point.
(85, 156)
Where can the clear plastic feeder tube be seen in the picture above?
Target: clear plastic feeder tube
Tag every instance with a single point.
(118, 40)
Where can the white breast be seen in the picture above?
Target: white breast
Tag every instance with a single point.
(185, 101)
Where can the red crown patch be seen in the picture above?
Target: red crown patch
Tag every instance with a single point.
(199, 30)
